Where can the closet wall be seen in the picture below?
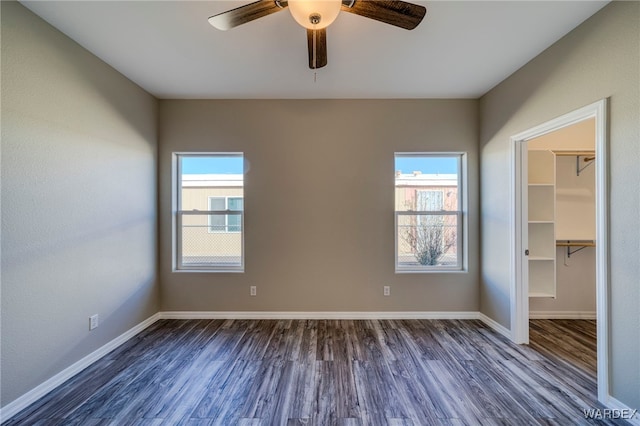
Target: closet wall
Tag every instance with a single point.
(575, 288)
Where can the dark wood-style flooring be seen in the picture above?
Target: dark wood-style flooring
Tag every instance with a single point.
(326, 372)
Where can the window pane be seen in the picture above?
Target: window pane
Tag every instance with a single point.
(200, 247)
(427, 240)
(205, 178)
(427, 183)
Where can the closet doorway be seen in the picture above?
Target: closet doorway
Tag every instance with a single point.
(560, 235)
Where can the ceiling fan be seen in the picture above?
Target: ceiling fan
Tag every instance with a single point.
(317, 15)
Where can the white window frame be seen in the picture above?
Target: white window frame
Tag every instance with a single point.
(461, 220)
(226, 216)
(178, 266)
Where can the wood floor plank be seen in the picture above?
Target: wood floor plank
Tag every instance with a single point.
(181, 402)
(265, 389)
(499, 402)
(346, 396)
(278, 411)
(228, 391)
(324, 410)
(370, 413)
(412, 394)
(294, 342)
(332, 372)
(253, 344)
(302, 387)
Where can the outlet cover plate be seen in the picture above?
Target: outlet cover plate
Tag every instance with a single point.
(93, 321)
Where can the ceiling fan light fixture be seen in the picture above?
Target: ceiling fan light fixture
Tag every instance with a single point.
(315, 14)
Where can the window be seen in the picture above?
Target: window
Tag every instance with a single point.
(209, 214)
(429, 212)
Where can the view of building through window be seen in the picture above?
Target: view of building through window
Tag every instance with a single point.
(428, 211)
(210, 231)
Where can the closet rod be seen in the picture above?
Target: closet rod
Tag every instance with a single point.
(589, 156)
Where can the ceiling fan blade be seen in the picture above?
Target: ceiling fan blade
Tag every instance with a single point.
(247, 13)
(317, 43)
(394, 12)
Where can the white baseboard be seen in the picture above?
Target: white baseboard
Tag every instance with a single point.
(39, 391)
(496, 326)
(614, 404)
(329, 315)
(562, 315)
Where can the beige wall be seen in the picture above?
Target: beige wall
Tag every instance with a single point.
(577, 137)
(599, 59)
(78, 202)
(319, 202)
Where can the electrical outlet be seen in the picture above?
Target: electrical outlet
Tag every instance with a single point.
(386, 290)
(252, 290)
(93, 321)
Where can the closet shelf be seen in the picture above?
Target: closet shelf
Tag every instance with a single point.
(581, 244)
(575, 243)
(542, 294)
(574, 153)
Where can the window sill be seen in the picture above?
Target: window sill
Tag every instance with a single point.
(431, 271)
(209, 271)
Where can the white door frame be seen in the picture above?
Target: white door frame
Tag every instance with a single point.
(519, 292)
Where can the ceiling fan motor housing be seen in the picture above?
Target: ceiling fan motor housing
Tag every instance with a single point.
(315, 18)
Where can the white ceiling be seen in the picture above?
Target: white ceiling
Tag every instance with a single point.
(461, 49)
